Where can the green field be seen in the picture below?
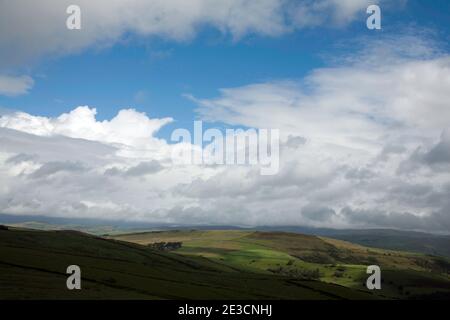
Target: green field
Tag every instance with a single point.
(404, 275)
(33, 265)
(219, 264)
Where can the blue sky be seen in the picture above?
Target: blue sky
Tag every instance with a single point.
(151, 74)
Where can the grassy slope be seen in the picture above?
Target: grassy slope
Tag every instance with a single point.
(404, 274)
(397, 240)
(33, 264)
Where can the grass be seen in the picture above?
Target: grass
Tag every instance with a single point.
(33, 265)
(331, 261)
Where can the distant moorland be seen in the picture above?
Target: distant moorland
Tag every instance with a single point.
(209, 264)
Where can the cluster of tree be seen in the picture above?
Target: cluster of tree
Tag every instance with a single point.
(339, 272)
(165, 246)
(304, 274)
(317, 257)
(2, 227)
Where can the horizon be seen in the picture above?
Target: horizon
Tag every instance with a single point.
(78, 224)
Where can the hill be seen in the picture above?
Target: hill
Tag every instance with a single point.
(419, 242)
(414, 241)
(398, 240)
(33, 265)
(404, 274)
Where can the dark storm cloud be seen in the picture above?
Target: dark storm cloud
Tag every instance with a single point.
(21, 157)
(142, 169)
(295, 141)
(50, 168)
(438, 221)
(318, 213)
(436, 158)
(440, 153)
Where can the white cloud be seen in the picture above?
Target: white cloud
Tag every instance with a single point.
(355, 104)
(128, 127)
(40, 29)
(14, 86)
(362, 145)
(349, 116)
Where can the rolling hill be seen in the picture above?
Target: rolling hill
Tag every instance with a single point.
(33, 265)
(420, 242)
(404, 274)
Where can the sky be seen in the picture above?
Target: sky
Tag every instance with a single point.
(86, 116)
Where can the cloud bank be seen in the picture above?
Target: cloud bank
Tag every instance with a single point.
(364, 143)
(40, 26)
